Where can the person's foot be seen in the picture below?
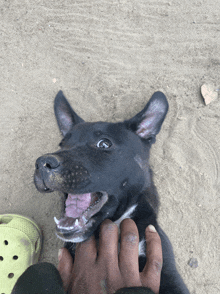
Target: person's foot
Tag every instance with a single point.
(21, 241)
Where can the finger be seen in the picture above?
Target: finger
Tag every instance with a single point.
(65, 267)
(107, 260)
(128, 256)
(108, 243)
(150, 276)
(86, 252)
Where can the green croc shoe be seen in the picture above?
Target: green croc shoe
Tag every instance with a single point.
(20, 246)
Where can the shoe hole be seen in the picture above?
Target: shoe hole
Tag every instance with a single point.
(15, 257)
(6, 242)
(10, 276)
(1, 258)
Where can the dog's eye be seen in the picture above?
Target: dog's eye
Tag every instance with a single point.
(104, 143)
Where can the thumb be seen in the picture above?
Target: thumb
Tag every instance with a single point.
(65, 267)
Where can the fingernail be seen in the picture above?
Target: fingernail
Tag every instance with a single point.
(152, 228)
(60, 252)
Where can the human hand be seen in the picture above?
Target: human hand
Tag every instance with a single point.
(102, 270)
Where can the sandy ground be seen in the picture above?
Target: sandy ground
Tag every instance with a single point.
(109, 57)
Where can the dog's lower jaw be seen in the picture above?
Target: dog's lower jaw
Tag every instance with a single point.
(75, 237)
(78, 229)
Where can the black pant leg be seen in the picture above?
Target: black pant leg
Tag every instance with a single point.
(40, 278)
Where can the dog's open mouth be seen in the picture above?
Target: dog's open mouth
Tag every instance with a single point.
(79, 210)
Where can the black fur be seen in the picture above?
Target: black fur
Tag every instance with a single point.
(121, 169)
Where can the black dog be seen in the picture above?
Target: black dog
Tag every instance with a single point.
(103, 170)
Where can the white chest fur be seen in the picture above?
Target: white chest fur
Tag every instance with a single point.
(128, 214)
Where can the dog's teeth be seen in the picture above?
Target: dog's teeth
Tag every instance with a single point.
(76, 222)
(56, 220)
(84, 219)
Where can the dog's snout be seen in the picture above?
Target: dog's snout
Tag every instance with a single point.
(49, 162)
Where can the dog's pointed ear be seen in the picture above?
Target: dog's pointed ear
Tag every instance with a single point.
(147, 123)
(66, 117)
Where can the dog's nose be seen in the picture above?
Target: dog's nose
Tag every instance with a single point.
(47, 162)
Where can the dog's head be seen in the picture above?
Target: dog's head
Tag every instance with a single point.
(101, 167)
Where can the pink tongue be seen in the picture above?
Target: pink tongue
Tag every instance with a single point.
(77, 204)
